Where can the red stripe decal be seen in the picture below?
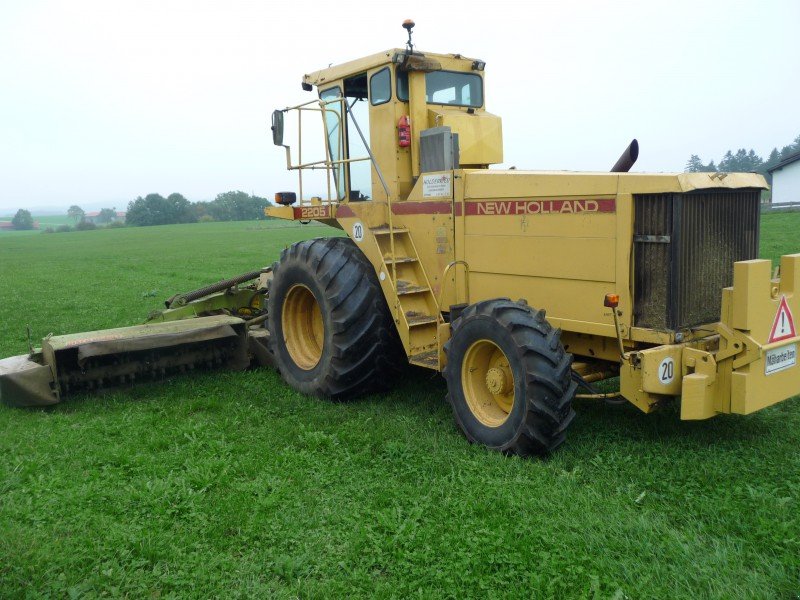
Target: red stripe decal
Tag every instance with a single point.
(479, 208)
(422, 208)
(342, 210)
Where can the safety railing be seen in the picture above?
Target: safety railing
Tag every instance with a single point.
(341, 180)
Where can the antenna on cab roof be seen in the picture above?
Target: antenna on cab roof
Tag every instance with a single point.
(408, 25)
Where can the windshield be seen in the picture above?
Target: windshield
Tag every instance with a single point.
(446, 87)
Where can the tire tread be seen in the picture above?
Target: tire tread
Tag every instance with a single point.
(549, 389)
(364, 337)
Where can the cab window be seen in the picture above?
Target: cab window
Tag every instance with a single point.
(446, 87)
(380, 87)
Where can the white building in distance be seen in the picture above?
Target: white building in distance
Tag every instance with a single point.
(786, 180)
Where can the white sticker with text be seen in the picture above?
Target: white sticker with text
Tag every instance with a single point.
(779, 359)
(437, 186)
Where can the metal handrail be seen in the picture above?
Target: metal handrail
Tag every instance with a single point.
(465, 264)
(328, 163)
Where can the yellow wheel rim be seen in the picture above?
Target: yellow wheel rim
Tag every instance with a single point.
(488, 383)
(303, 327)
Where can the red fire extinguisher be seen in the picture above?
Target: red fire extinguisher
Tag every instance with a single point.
(404, 132)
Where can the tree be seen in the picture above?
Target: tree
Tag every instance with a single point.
(76, 212)
(201, 211)
(755, 162)
(694, 164)
(743, 161)
(22, 220)
(107, 215)
(787, 151)
(153, 209)
(181, 209)
(238, 206)
(774, 159)
(727, 163)
(228, 206)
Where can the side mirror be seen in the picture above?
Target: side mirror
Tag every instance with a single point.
(277, 127)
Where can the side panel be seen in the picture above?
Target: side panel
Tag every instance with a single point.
(545, 258)
(548, 238)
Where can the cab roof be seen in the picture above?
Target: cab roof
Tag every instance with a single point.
(386, 57)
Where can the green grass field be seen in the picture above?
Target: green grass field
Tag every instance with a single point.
(231, 484)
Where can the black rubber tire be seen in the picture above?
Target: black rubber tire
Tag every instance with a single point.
(543, 387)
(360, 348)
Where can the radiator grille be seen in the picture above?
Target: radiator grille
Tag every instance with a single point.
(684, 249)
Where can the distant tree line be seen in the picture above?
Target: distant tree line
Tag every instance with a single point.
(744, 161)
(154, 209)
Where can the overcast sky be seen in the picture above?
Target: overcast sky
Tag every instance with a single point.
(104, 100)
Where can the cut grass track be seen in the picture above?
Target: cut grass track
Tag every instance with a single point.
(231, 484)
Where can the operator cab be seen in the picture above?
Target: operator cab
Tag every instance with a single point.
(391, 116)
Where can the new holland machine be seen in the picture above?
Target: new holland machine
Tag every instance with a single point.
(523, 288)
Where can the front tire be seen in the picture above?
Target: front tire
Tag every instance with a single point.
(330, 329)
(508, 378)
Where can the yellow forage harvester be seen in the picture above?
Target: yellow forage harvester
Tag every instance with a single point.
(524, 288)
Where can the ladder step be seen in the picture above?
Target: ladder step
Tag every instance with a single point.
(404, 288)
(428, 359)
(384, 230)
(398, 260)
(417, 319)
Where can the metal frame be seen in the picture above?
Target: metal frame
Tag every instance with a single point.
(328, 163)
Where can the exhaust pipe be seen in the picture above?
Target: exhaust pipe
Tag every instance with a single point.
(625, 162)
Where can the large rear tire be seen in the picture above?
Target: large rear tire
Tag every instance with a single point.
(508, 378)
(330, 329)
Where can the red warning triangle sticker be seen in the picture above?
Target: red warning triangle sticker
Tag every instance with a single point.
(783, 326)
